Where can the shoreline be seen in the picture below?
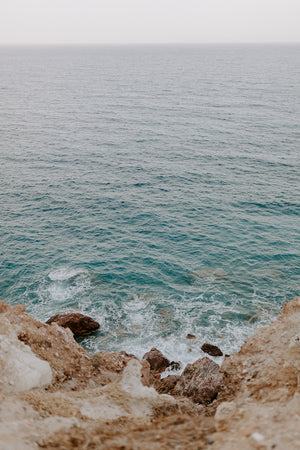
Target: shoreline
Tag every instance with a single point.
(58, 396)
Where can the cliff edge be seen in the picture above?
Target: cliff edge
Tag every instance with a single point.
(54, 395)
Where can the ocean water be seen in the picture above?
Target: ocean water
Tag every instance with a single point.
(155, 188)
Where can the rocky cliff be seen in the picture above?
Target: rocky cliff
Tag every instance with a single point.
(54, 395)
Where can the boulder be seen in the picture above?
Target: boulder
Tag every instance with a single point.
(158, 362)
(78, 323)
(201, 381)
(211, 350)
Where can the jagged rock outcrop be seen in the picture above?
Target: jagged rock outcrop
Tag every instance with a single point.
(201, 381)
(78, 323)
(69, 362)
(101, 401)
(259, 404)
(20, 368)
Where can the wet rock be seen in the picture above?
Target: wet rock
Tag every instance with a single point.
(175, 365)
(78, 323)
(158, 362)
(211, 350)
(190, 336)
(201, 381)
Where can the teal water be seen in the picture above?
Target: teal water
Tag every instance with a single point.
(155, 188)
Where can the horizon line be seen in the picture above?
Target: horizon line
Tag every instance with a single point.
(38, 44)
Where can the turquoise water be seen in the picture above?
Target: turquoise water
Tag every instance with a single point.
(155, 188)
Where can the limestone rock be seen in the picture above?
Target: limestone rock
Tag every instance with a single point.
(201, 381)
(158, 362)
(20, 369)
(69, 362)
(211, 350)
(78, 323)
(87, 406)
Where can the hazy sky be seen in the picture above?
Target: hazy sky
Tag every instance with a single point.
(126, 21)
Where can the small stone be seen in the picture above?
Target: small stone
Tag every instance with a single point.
(258, 437)
(190, 336)
(211, 350)
(78, 323)
(175, 365)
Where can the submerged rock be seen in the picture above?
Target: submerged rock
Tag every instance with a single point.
(211, 350)
(208, 272)
(78, 323)
(158, 362)
(190, 336)
(201, 381)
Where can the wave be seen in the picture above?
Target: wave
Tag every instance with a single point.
(66, 273)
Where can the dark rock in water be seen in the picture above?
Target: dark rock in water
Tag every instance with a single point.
(167, 385)
(212, 350)
(201, 381)
(78, 323)
(158, 362)
(175, 365)
(190, 336)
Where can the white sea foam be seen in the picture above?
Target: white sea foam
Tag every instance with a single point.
(137, 324)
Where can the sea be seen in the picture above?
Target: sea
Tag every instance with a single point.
(155, 188)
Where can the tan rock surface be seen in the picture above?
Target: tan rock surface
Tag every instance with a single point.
(261, 407)
(91, 405)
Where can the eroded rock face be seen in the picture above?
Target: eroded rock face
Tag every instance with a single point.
(20, 368)
(117, 361)
(201, 381)
(158, 362)
(167, 385)
(69, 362)
(211, 350)
(78, 323)
(88, 406)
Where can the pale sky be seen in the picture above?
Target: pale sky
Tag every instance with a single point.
(148, 21)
